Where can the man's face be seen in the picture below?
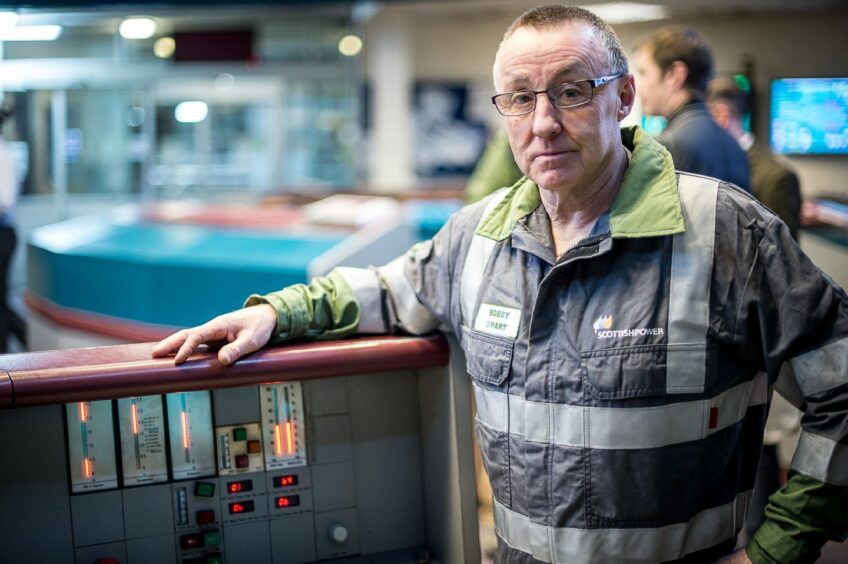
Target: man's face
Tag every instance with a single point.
(653, 85)
(562, 149)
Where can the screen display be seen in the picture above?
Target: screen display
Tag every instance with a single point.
(241, 507)
(809, 116)
(240, 486)
(287, 501)
(285, 481)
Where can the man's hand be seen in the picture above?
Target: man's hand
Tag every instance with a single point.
(246, 330)
(736, 557)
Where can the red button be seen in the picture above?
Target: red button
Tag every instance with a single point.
(191, 541)
(205, 517)
(242, 461)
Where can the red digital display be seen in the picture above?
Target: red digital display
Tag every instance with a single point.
(240, 486)
(285, 481)
(245, 506)
(287, 501)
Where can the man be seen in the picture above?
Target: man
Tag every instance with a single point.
(773, 183)
(673, 67)
(622, 344)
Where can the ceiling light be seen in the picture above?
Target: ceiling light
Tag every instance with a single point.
(164, 47)
(627, 12)
(8, 19)
(191, 112)
(31, 33)
(350, 45)
(224, 82)
(137, 28)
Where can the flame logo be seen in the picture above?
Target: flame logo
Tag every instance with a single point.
(603, 322)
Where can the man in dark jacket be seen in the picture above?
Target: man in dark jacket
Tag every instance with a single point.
(772, 182)
(673, 67)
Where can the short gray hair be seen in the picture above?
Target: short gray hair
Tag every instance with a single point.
(547, 17)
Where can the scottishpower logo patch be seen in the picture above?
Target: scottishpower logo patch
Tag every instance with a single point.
(603, 329)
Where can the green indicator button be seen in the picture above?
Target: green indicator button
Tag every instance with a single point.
(211, 538)
(204, 489)
(213, 559)
(239, 434)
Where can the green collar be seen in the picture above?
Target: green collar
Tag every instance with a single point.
(647, 204)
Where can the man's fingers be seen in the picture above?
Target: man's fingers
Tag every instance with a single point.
(245, 343)
(248, 330)
(191, 343)
(170, 344)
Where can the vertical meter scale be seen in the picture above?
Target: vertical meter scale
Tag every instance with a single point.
(283, 425)
(142, 429)
(191, 434)
(91, 446)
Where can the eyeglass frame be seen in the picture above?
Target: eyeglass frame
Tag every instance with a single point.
(593, 82)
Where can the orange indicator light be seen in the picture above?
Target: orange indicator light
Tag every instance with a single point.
(278, 439)
(86, 467)
(184, 420)
(289, 437)
(83, 411)
(135, 419)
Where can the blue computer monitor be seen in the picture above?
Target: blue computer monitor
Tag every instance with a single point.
(809, 116)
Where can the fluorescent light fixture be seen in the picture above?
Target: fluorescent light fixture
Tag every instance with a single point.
(224, 82)
(164, 47)
(627, 12)
(8, 19)
(137, 28)
(31, 33)
(191, 112)
(350, 45)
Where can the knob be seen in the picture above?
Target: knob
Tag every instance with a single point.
(338, 533)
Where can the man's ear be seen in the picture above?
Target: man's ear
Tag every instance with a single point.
(626, 96)
(676, 74)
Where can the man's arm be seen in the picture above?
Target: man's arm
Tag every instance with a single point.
(410, 295)
(802, 318)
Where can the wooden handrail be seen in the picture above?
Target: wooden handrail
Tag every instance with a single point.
(50, 377)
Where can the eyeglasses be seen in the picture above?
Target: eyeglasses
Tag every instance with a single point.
(566, 95)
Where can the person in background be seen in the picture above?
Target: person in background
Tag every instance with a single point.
(772, 181)
(495, 169)
(622, 324)
(673, 67)
(8, 238)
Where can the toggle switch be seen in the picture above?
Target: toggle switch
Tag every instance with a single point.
(193, 540)
(204, 489)
(205, 516)
(212, 537)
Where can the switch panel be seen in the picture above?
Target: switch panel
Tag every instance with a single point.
(239, 449)
(197, 517)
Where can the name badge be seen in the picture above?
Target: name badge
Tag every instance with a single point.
(498, 320)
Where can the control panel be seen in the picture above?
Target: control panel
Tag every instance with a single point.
(274, 473)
